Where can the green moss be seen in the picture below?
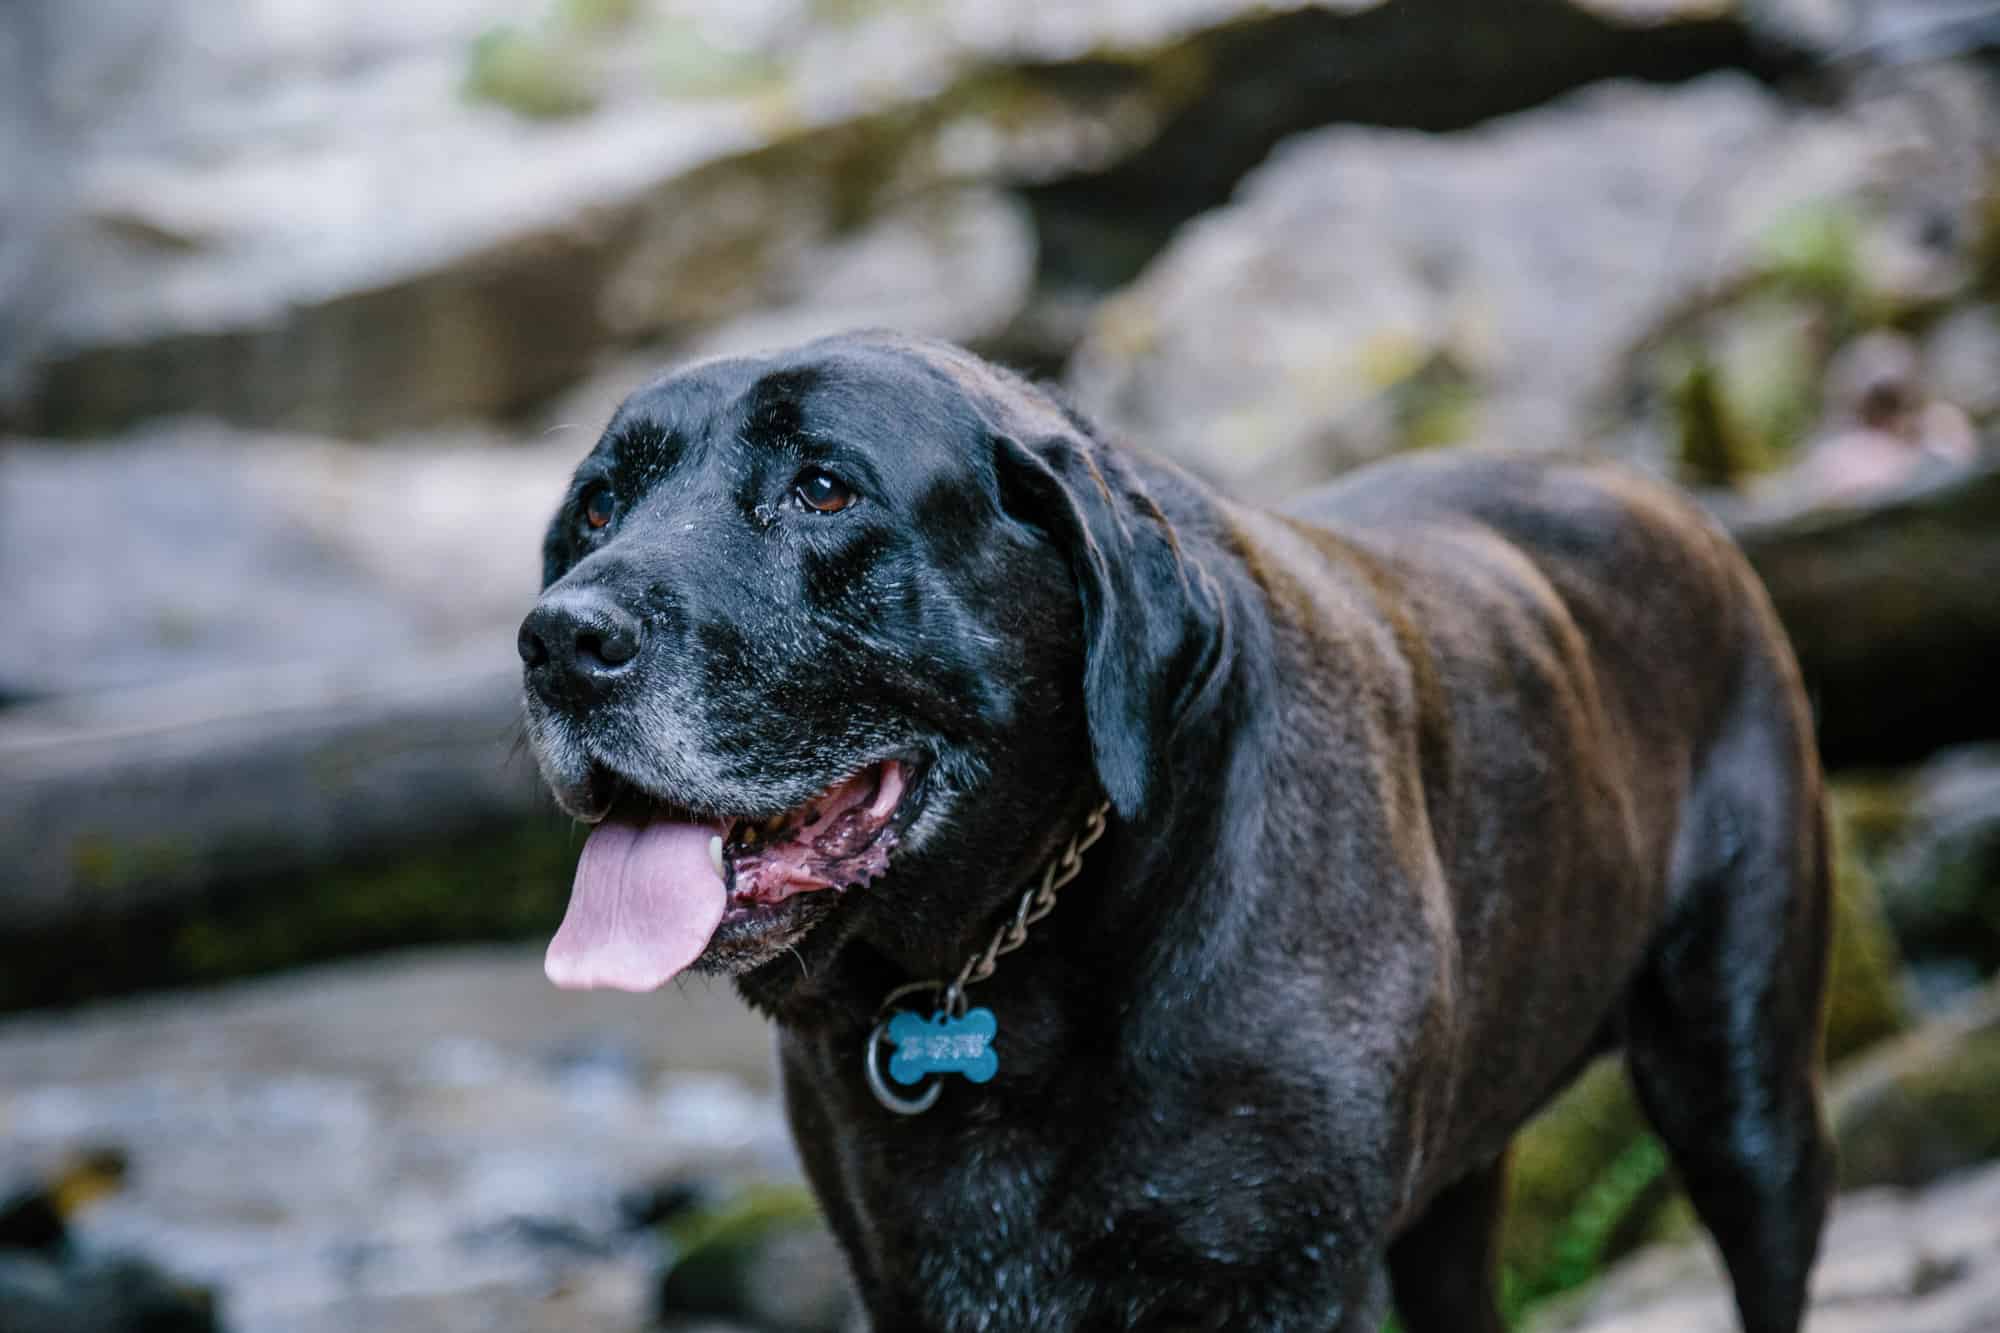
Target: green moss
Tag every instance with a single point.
(512, 884)
(716, 1249)
(490, 884)
(1769, 357)
(746, 1218)
(847, 12)
(1870, 814)
(1927, 1106)
(103, 865)
(1864, 997)
(533, 75)
(1436, 404)
(1713, 449)
(1986, 240)
(596, 15)
(687, 64)
(1569, 1185)
(1960, 1098)
(1814, 248)
(1589, 1233)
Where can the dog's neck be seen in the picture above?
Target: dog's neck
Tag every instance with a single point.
(1122, 927)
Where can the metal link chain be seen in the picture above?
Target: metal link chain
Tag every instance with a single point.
(1035, 904)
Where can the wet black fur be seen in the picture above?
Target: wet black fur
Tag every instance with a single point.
(1427, 790)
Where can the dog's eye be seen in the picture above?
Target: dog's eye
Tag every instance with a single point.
(823, 491)
(599, 507)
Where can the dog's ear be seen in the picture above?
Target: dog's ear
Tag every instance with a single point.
(1153, 631)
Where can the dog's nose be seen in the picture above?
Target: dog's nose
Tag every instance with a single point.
(575, 640)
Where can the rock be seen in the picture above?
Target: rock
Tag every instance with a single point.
(1962, 360)
(432, 1140)
(100, 1295)
(1347, 63)
(1924, 1106)
(955, 259)
(302, 258)
(29, 218)
(1927, 1262)
(265, 662)
(1881, 429)
(210, 553)
(282, 661)
(1890, 606)
(35, 1213)
(256, 232)
(761, 1258)
(1641, 261)
(1864, 1003)
(1903, 31)
(1935, 843)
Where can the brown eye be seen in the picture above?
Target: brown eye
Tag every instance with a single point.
(823, 491)
(600, 506)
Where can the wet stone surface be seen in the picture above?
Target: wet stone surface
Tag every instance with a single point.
(1925, 1262)
(435, 1140)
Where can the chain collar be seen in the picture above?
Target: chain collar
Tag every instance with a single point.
(1036, 903)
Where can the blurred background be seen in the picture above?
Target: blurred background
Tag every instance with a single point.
(307, 308)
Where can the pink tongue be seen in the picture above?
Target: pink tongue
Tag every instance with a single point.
(643, 907)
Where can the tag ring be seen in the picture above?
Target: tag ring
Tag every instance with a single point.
(871, 1065)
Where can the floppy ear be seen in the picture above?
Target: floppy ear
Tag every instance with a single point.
(1152, 622)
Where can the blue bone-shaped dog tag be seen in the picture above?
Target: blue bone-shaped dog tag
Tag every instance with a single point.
(942, 1044)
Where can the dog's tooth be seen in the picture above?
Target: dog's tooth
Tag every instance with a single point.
(715, 855)
(774, 823)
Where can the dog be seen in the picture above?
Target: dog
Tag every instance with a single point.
(1408, 800)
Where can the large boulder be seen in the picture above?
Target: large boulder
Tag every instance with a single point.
(345, 218)
(1663, 270)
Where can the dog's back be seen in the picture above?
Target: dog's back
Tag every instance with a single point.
(1615, 683)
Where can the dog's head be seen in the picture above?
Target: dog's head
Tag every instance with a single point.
(827, 643)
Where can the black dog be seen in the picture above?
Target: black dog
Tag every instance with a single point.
(1425, 791)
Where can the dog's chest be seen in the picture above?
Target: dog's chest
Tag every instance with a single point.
(1067, 1220)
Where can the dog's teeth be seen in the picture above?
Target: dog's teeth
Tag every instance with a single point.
(715, 855)
(774, 823)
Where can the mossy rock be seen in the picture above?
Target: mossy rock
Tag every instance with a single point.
(1939, 863)
(1864, 1002)
(535, 75)
(762, 1257)
(506, 882)
(1926, 1105)
(1713, 448)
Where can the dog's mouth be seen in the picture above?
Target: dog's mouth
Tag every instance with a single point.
(656, 882)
